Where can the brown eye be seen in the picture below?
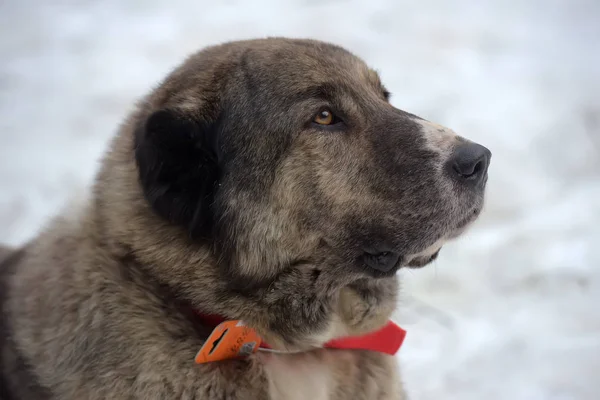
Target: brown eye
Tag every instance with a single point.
(324, 117)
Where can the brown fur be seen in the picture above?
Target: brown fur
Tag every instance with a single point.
(5, 252)
(217, 195)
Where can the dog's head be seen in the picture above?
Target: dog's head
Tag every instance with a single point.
(287, 159)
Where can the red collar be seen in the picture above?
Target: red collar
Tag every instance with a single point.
(385, 340)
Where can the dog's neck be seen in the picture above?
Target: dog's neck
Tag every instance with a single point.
(386, 340)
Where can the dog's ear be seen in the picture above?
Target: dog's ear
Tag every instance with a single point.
(177, 158)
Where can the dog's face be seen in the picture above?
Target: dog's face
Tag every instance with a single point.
(287, 157)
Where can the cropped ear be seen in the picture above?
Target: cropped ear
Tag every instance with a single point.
(178, 168)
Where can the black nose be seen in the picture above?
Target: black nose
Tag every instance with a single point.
(469, 163)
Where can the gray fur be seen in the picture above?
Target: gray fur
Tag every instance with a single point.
(218, 194)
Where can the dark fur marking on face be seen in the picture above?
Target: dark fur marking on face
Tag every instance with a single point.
(178, 168)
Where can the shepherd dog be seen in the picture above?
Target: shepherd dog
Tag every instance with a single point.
(267, 181)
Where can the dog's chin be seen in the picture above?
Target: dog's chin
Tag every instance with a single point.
(431, 254)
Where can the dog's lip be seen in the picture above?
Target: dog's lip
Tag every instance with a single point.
(465, 222)
(471, 217)
(380, 274)
(420, 262)
(381, 260)
(383, 275)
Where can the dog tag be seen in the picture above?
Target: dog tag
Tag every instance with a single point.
(229, 340)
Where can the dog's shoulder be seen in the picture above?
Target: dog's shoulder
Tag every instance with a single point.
(33, 279)
(17, 380)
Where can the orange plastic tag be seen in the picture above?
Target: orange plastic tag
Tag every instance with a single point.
(229, 340)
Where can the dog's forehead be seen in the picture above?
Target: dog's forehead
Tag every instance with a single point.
(306, 63)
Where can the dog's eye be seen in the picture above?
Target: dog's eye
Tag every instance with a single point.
(325, 117)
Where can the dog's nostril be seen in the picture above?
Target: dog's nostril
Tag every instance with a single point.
(468, 170)
(469, 162)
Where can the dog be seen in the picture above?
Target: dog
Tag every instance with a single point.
(268, 181)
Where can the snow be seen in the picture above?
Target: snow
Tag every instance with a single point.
(510, 311)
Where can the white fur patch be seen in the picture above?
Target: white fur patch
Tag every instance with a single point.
(438, 138)
(301, 376)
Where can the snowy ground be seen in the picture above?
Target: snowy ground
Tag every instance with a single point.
(512, 311)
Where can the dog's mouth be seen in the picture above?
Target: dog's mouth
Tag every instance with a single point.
(420, 262)
(392, 262)
(384, 264)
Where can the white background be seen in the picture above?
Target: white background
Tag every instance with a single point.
(512, 310)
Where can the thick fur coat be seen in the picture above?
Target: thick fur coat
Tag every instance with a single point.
(266, 180)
